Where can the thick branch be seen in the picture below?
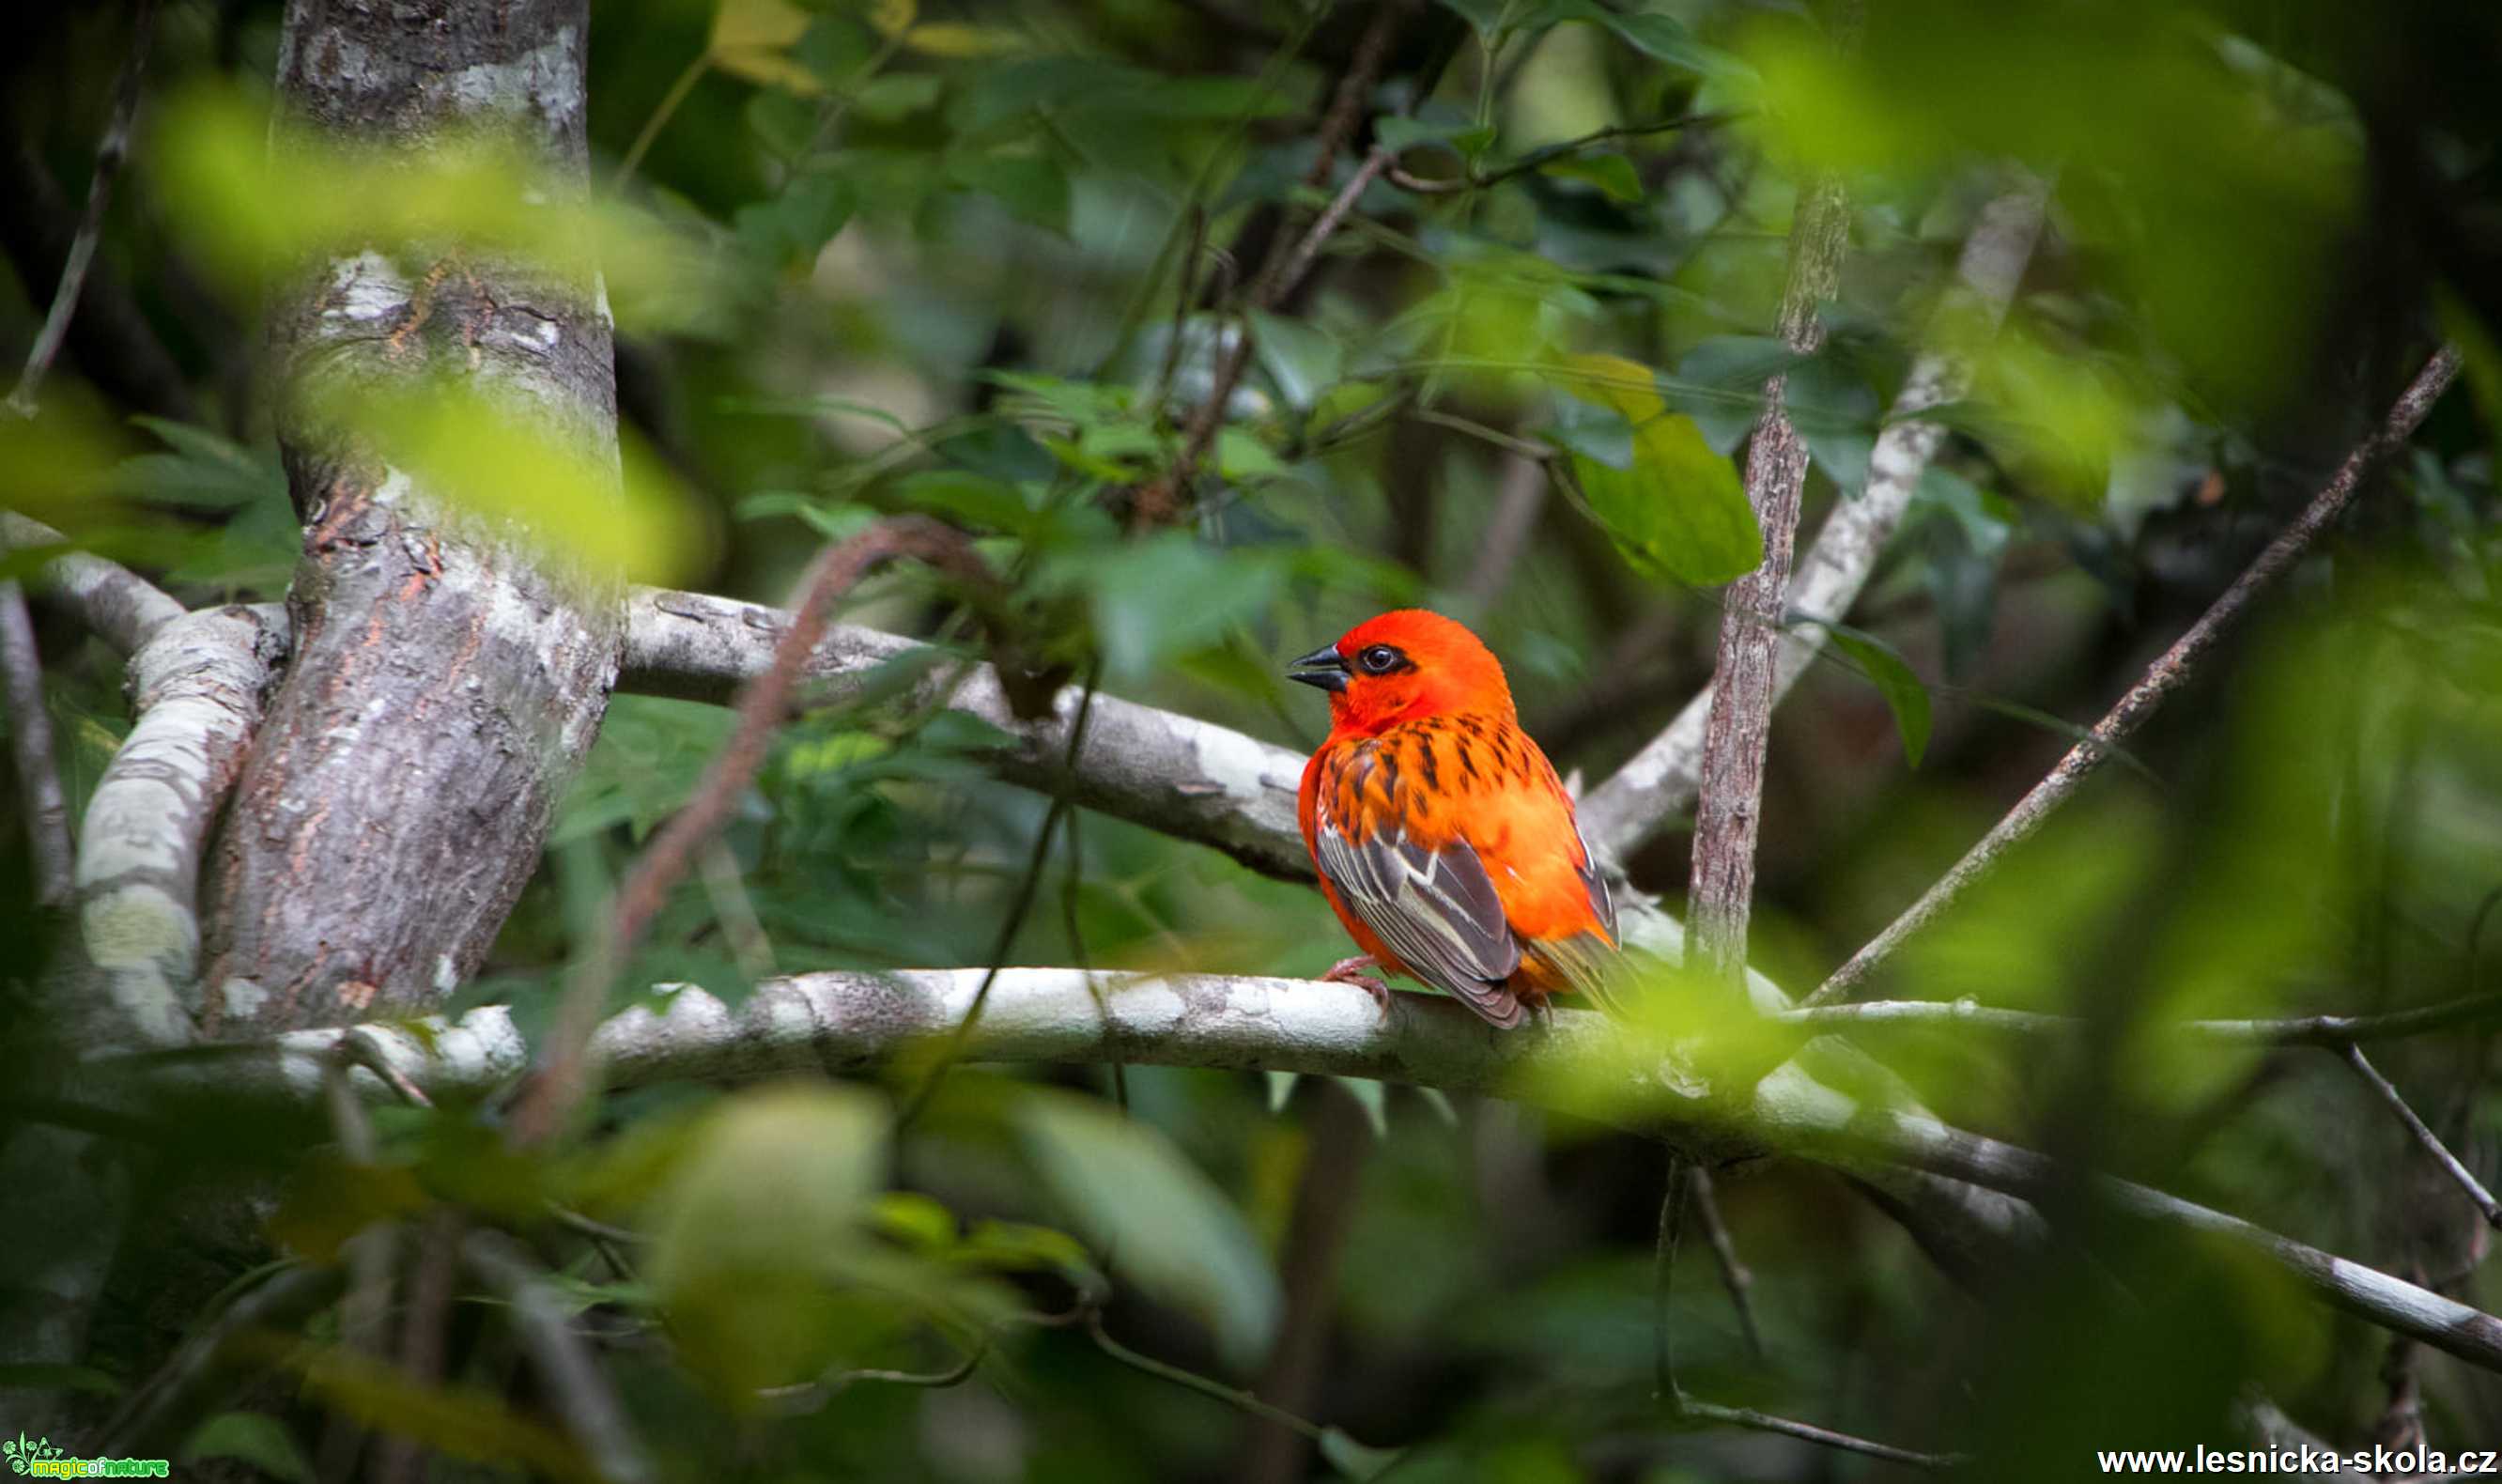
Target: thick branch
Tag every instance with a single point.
(449, 671)
(197, 685)
(1188, 778)
(841, 1022)
(1657, 784)
(121, 607)
(2167, 674)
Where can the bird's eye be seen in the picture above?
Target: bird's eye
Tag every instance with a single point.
(1379, 659)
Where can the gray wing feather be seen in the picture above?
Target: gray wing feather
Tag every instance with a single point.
(1436, 909)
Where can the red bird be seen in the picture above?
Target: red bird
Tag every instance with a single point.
(1441, 834)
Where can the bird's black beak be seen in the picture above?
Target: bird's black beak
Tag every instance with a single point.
(1322, 667)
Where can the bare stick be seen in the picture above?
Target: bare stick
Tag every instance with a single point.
(1734, 1274)
(2335, 1032)
(577, 1389)
(424, 1334)
(1517, 504)
(1657, 784)
(761, 705)
(30, 737)
(364, 1314)
(1684, 1176)
(1808, 1433)
(2482, 1197)
(1289, 259)
(1738, 729)
(1479, 179)
(2166, 675)
(109, 156)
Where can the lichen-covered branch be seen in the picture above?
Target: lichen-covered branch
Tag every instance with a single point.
(844, 1022)
(1188, 778)
(1657, 784)
(116, 604)
(197, 685)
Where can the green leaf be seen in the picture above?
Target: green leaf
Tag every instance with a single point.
(1680, 511)
(1303, 360)
(1484, 15)
(1834, 412)
(790, 230)
(1164, 1222)
(249, 1438)
(1157, 598)
(1612, 174)
(1281, 1086)
(1666, 39)
(771, 1194)
(897, 95)
(973, 500)
(1720, 383)
(1032, 186)
(1240, 455)
(1894, 680)
(1353, 1459)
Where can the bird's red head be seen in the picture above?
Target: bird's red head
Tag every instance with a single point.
(1404, 666)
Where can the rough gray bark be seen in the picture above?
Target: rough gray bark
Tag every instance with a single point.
(1728, 814)
(447, 676)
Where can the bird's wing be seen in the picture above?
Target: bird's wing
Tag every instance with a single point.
(1435, 907)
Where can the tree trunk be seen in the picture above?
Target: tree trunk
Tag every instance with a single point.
(447, 675)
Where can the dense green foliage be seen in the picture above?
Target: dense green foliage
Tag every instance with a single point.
(987, 264)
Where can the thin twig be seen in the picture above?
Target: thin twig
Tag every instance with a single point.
(2166, 675)
(160, 1413)
(30, 739)
(807, 1396)
(364, 1314)
(1682, 1176)
(424, 1336)
(1808, 1433)
(570, 1378)
(1230, 1396)
(762, 703)
(1028, 886)
(2475, 1190)
(1734, 1274)
(660, 115)
(1289, 257)
(109, 158)
(358, 1050)
(2332, 1032)
(1476, 180)
(1663, 1276)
